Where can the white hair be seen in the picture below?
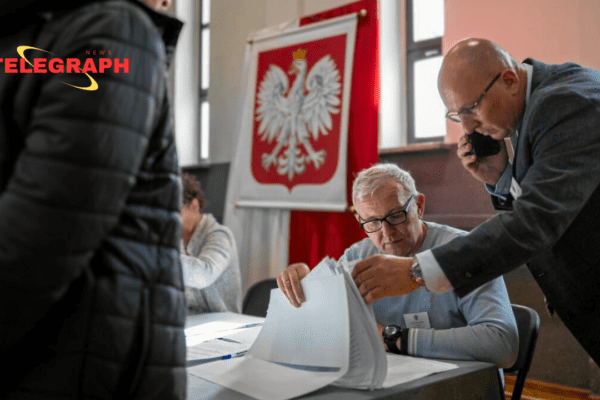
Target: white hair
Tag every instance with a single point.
(369, 180)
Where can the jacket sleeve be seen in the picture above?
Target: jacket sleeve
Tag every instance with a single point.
(490, 334)
(562, 150)
(82, 152)
(204, 268)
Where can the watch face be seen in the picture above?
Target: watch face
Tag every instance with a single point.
(390, 330)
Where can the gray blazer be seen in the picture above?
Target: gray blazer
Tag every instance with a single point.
(554, 225)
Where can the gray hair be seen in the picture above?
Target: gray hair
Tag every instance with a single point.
(369, 180)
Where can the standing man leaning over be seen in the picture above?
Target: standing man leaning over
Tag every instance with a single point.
(550, 192)
(480, 326)
(91, 289)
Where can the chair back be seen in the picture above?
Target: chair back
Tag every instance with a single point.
(528, 324)
(256, 300)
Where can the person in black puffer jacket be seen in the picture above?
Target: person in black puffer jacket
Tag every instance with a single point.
(90, 280)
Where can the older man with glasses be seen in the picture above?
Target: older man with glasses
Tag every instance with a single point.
(480, 326)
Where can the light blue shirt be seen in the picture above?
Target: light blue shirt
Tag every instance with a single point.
(502, 187)
(480, 326)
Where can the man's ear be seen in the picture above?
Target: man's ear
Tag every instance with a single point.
(510, 79)
(420, 200)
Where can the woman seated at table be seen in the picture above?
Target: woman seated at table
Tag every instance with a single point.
(209, 258)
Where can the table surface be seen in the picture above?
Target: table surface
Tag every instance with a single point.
(472, 380)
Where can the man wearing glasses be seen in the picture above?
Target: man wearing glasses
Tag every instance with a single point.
(480, 326)
(550, 191)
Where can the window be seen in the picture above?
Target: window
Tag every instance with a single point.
(204, 78)
(425, 109)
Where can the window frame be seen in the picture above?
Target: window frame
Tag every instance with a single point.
(415, 52)
(202, 93)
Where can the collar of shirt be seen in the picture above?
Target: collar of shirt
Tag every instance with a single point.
(529, 69)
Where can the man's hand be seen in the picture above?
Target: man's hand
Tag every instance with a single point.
(487, 169)
(289, 283)
(381, 276)
(380, 330)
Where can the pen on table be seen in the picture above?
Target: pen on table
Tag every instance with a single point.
(250, 325)
(228, 356)
(192, 363)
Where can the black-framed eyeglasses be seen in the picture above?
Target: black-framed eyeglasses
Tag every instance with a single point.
(467, 112)
(394, 218)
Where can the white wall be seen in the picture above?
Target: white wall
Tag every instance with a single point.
(185, 82)
(552, 31)
(231, 23)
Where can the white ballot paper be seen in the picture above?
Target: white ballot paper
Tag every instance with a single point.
(402, 369)
(312, 341)
(230, 345)
(214, 329)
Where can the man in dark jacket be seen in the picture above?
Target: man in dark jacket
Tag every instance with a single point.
(90, 280)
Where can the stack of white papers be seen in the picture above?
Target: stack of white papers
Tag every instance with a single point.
(367, 364)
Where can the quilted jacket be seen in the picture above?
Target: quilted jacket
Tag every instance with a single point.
(91, 291)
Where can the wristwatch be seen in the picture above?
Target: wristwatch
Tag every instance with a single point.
(416, 272)
(391, 334)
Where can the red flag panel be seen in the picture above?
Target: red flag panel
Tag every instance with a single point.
(299, 148)
(314, 235)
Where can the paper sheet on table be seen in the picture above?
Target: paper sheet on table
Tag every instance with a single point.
(226, 318)
(224, 345)
(402, 369)
(212, 330)
(302, 336)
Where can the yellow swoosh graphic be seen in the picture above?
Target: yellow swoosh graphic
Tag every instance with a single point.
(21, 50)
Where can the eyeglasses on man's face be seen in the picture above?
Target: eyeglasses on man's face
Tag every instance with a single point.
(467, 112)
(394, 218)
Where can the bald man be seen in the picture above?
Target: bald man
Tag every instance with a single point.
(550, 192)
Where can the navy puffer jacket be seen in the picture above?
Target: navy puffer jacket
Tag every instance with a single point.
(91, 293)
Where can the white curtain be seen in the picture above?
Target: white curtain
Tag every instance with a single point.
(262, 234)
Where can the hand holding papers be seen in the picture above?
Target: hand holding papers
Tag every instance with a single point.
(314, 335)
(306, 336)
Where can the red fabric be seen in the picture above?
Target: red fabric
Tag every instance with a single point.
(313, 234)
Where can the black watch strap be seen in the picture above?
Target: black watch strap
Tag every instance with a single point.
(391, 345)
(391, 334)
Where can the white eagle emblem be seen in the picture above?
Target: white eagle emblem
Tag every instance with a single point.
(302, 115)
